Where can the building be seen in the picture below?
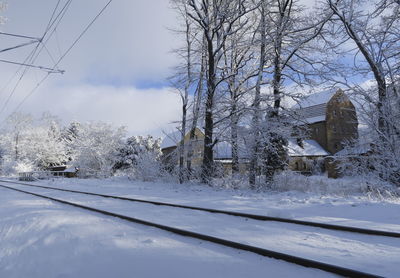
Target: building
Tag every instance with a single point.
(329, 119)
(306, 156)
(222, 151)
(329, 122)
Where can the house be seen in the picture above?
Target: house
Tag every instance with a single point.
(306, 156)
(330, 120)
(194, 150)
(170, 143)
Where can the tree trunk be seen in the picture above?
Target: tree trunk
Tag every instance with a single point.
(255, 150)
(234, 139)
(16, 147)
(196, 112)
(208, 159)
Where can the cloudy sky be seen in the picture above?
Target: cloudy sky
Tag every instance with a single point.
(116, 73)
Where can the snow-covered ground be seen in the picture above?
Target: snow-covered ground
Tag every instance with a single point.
(44, 239)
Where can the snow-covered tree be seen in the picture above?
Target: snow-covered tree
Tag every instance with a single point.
(217, 20)
(95, 146)
(36, 143)
(367, 34)
(139, 157)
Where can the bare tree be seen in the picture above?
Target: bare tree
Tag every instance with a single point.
(285, 33)
(198, 96)
(237, 72)
(375, 31)
(371, 42)
(217, 19)
(256, 105)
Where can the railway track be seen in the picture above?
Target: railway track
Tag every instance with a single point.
(232, 244)
(232, 213)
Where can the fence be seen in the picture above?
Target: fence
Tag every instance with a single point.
(41, 175)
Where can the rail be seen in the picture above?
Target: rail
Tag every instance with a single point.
(232, 213)
(236, 245)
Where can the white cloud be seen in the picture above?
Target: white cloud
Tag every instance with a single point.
(143, 112)
(128, 44)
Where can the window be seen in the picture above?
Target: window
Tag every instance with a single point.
(334, 129)
(334, 113)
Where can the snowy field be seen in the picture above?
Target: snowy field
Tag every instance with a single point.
(40, 238)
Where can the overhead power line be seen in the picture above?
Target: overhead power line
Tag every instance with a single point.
(65, 54)
(19, 36)
(32, 56)
(18, 46)
(49, 70)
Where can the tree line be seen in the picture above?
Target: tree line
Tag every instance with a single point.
(95, 149)
(242, 61)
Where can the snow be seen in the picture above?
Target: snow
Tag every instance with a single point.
(171, 140)
(315, 119)
(309, 148)
(223, 150)
(356, 150)
(315, 99)
(70, 169)
(44, 239)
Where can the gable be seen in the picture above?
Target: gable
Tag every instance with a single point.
(172, 139)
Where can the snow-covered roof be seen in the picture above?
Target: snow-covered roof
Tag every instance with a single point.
(315, 99)
(356, 150)
(308, 148)
(70, 169)
(316, 119)
(223, 150)
(312, 109)
(171, 140)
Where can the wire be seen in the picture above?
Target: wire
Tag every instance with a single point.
(31, 57)
(32, 66)
(19, 36)
(18, 46)
(63, 56)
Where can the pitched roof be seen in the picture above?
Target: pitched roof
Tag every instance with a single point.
(171, 140)
(312, 108)
(308, 148)
(315, 99)
(223, 150)
(356, 150)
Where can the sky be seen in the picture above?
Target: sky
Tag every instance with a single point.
(116, 73)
